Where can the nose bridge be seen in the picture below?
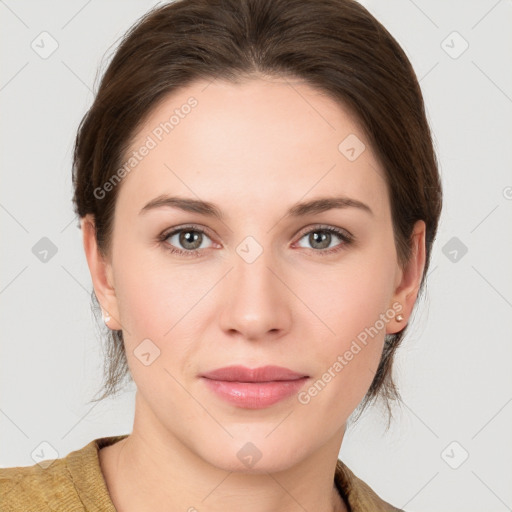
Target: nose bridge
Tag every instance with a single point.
(256, 302)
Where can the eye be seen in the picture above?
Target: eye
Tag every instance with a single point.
(322, 237)
(187, 240)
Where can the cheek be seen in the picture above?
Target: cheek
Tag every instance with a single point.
(352, 296)
(162, 303)
(152, 293)
(157, 312)
(352, 307)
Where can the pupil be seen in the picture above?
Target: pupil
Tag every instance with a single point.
(186, 238)
(322, 238)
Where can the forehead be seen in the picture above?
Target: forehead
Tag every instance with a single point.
(256, 143)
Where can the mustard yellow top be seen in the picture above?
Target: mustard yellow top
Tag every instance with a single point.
(75, 483)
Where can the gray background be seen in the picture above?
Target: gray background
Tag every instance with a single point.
(454, 368)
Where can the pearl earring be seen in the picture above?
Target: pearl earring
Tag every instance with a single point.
(399, 317)
(106, 318)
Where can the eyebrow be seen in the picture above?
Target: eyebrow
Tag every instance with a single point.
(298, 210)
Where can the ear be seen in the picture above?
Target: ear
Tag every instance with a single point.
(407, 283)
(101, 273)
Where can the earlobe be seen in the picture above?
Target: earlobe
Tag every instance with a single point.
(408, 285)
(101, 274)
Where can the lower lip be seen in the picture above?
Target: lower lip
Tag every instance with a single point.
(255, 395)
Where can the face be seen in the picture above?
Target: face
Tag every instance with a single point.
(264, 282)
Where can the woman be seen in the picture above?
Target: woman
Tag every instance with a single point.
(258, 195)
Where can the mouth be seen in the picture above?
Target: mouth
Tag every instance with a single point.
(254, 388)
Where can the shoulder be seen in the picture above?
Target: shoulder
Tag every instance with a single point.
(36, 487)
(360, 496)
(72, 484)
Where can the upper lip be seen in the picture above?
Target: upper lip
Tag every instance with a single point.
(261, 374)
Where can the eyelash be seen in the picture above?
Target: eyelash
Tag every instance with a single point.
(346, 238)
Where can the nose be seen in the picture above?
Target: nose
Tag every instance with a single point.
(255, 302)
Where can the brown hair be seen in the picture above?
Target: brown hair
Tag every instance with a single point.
(335, 46)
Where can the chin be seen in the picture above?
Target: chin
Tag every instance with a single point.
(255, 456)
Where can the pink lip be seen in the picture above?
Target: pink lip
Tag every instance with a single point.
(254, 388)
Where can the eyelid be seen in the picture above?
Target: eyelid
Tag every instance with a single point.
(192, 227)
(326, 227)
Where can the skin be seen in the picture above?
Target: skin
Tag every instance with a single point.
(254, 149)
